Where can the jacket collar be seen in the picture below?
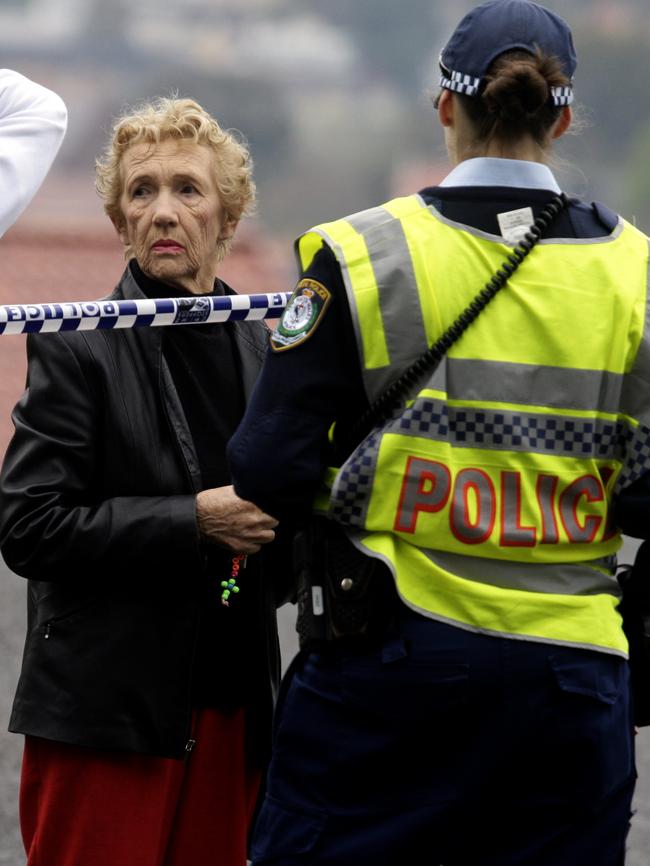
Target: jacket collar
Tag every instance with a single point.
(251, 338)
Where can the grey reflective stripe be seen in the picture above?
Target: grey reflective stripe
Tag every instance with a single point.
(500, 430)
(569, 578)
(438, 376)
(533, 385)
(635, 399)
(366, 220)
(401, 310)
(473, 532)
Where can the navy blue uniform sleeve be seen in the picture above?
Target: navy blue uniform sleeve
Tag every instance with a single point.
(280, 450)
(632, 508)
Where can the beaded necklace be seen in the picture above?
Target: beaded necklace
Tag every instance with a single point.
(230, 586)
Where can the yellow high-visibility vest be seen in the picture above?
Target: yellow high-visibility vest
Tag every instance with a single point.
(490, 496)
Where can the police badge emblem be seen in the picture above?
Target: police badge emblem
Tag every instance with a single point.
(302, 315)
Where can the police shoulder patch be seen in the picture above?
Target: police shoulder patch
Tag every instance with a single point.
(302, 315)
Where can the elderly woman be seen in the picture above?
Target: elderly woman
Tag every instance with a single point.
(144, 701)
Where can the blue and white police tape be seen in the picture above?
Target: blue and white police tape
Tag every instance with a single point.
(141, 313)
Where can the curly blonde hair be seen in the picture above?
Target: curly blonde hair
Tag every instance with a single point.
(182, 119)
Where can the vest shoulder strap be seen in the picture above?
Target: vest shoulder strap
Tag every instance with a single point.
(607, 217)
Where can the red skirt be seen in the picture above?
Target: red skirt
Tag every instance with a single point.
(84, 807)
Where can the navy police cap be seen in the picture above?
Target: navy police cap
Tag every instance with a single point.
(503, 25)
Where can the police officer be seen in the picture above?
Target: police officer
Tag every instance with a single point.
(491, 723)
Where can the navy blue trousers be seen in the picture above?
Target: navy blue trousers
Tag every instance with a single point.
(440, 747)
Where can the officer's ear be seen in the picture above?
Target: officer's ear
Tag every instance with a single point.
(446, 105)
(563, 122)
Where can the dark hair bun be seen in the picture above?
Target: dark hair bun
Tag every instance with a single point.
(516, 99)
(516, 90)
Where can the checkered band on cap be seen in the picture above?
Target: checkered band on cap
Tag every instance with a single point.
(467, 84)
(562, 95)
(460, 82)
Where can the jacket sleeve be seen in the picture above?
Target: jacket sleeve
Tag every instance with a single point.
(33, 122)
(54, 524)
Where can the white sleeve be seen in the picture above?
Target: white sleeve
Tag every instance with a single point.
(33, 121)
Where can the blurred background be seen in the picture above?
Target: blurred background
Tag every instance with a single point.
(334, 98)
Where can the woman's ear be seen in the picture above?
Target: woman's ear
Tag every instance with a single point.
(119, 224)
(228, 229)
(563, 122)
(446, 108)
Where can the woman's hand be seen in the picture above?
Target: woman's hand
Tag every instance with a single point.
(225, 519)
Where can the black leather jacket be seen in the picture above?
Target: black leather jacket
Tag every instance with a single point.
(97, 505)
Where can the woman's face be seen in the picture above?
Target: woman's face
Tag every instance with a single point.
(171, 214)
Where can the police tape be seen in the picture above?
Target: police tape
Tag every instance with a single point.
(140, 313)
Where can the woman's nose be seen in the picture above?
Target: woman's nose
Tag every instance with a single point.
(165, 212)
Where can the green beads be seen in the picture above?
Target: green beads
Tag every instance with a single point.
(230, 586)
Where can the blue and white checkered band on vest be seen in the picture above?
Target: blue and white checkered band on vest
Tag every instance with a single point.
(467, 84)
